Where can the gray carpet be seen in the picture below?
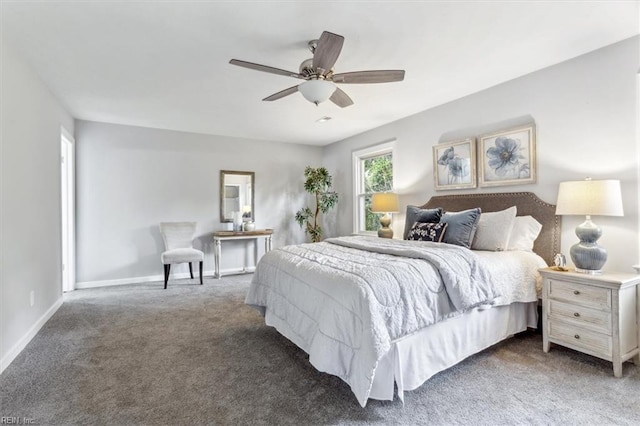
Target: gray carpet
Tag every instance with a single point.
(195, 354)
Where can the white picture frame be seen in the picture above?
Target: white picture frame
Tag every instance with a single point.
(507, 157)
(454, 165)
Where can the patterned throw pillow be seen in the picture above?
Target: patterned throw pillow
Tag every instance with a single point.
(427, 231)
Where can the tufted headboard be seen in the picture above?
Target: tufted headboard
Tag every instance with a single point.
(548, 242)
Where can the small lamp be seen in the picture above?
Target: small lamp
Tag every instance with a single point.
(385, 202)
(589, 197)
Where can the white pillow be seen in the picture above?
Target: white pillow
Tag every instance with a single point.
(494, 230)
(525, 231)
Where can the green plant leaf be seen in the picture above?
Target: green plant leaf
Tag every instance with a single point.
(327, 201)
(303, 215)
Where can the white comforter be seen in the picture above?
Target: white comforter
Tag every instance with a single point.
(346, 300)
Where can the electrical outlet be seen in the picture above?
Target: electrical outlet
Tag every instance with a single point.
(32, 298)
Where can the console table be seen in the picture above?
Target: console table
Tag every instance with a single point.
(220, 236)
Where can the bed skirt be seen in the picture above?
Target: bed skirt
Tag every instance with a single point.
(414, 359)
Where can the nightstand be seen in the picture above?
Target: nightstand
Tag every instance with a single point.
(594, 314)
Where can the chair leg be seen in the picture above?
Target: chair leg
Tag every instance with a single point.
(191, 270)
(201, 272)
(167, 268)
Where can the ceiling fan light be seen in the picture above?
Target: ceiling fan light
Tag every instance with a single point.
(317, 91)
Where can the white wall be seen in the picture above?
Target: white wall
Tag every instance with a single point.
(30, 224)
(129, 179)
(586, 115)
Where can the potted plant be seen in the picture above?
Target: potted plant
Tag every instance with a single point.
(318, 183)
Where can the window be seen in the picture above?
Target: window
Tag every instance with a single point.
(372, 172)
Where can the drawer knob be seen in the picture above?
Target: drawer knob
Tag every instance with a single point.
(577, 336)
(576, 314)
(576, 292)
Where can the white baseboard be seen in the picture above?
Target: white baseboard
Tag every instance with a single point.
(24, 341)
(154, 278)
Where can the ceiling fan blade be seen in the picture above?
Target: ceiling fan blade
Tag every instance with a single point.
(327, 51)
(340, 98)
(282, 94)
(366, 77)
(265, 68)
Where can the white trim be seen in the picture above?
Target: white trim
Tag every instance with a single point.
(637, 104)
(24, 340)
(65, 135)
(157, 278)
(356, 157)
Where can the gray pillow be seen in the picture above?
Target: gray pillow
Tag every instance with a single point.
(461, 227)
(416, 214)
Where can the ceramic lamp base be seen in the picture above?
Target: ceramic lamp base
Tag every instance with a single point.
(587, 256)
(385, 231)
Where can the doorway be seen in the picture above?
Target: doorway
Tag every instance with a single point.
(67, 203)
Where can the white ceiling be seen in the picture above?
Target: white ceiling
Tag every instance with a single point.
(165, 64)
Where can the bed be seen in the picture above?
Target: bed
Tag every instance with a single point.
(386, 315)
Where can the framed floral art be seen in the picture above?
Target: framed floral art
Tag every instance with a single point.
(455, 165)
(508, 157)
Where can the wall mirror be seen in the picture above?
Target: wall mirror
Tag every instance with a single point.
(236, 195)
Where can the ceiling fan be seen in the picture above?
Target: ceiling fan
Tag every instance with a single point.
(320, 80)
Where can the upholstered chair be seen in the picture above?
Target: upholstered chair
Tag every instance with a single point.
(178, 242)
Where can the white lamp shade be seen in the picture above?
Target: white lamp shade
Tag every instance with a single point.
(317, 91)
(384, 202)
(590, 197)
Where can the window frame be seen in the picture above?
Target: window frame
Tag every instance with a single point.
(358, 157)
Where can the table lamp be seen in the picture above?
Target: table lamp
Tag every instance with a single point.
(590, 198)
(385, 202)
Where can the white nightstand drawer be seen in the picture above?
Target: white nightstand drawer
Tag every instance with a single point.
(593, 319)
(580, 337)
(584, 295)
